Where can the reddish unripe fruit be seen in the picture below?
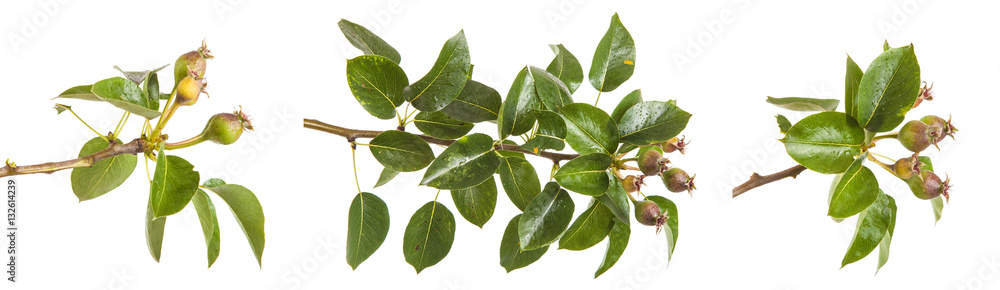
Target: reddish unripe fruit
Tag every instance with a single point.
(940, 126)
(906, 167)
(188, 91)
(226, 128)
(648, 213)
(674, 144)
(192, 63)
(928, 185)
(651, 162)
(631, 183)
(676, 180)
(915, 136)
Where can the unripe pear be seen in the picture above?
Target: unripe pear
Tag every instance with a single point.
(226, 128)
(192, 63)
(928, 185)
(906, 167)
(648, 213)
(651, 162)
(676, 180)
(188, 91)
(915, 136)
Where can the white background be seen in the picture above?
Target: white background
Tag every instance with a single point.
(283, 61)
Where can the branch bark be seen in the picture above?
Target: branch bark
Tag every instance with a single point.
(352, 134)
(758, 180)
(136, 146)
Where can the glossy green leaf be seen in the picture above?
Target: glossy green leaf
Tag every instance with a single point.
(247, 210)
(585, 174)
(444, 82)
(545, 218)
(652, 122)
(139, 77)
(519, 180)
(937, 204)
(367, 227)
(428, 236)
(589, 129)
(616, 199)
(565, 67)
(377, 83)
(888, 89)
(401, 151)
(825, 142)
(61, 108)
(783, 123)
(366, 41)
(174, 183)
(883, 246)
(151, 88)
(467, 162)
(550, 89)
(104, 175)
(873, 224)
(476, 103)
(589, 228)
(617, 241)
(670, 228)
(515, 113)
(614, 60)
(154, 232)
(804, 104)
(626, 148)
(853, 191)
(79, 92)
(630, 100)
(551, 133)
(386, 175)
(127, 96)
(209, 224)
(476, 203)
(885, 45)
(851, 81)
(439, 125)
(511, 255)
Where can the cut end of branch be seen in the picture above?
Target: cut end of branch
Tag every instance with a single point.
(757, 180)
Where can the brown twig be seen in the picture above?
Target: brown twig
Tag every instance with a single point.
(136, 146)
(758, 180)
(352, 134)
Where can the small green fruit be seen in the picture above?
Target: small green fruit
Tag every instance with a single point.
(928, 185)
(648, 213)
(651, 162)
(674, 144)
(226, 128)
(188, 90)
(676, 180)
(906, 167)
(915, 136)
(631, 183)
(192, 63)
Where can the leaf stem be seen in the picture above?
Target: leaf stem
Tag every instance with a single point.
(353, 134)
(85, 123)
(886, 136)
(598, 98)
(758, 180)
(354, 164)
(136, 146)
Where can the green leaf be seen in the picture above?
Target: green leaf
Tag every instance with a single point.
(154, 232)
(937, 204)
(825, 142)
(617, 241)
(247, 210)
(614, 59)
(670, 209)
(888, 89)
(439, 125)
(854, 190)
(173, 184)
(209, 224)
(366, 41)
(589, 129)
(511, 255)
(519, 180)
(377, 83)
(550, 89)
(616, 199)
(630, 100)
(851, 81)
(467, 162)
(139, 77)
(367, 227)
(883, 246)
(626, 148)
(565, 67)
(428, 236)
(121, 93)
(445, 80)
(151, 88)
(783, 123)
(79, 92)
(476, 204)
(401, 151)
(551, 132)
(589, 228)
(476, 103)
(515, 113)
(873, 224)
(545, 218)
(652, 122)
(103, 176)
(885, 45)
(61, 108)
(386, 175)
(585, 174)
(804, 104)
